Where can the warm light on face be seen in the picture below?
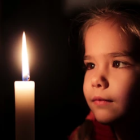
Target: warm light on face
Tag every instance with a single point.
(25, 64)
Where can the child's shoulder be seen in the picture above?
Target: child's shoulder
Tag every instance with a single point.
(90, 129)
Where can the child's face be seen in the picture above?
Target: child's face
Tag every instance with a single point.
(111, 73)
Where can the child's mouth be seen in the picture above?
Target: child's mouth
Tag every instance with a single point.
(101, 101)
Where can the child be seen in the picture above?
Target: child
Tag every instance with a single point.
(111, 40)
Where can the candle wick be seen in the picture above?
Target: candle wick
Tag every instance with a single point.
(28, 78)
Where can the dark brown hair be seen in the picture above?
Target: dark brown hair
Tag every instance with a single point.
(126, 15)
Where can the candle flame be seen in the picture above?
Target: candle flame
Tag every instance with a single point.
(25, 64)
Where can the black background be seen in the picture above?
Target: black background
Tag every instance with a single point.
(54, 66)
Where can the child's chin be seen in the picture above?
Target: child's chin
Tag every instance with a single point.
(105, 118)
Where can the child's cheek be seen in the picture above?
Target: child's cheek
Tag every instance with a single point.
(123, 85)
(87, 83)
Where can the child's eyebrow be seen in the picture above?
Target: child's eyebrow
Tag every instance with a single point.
(112, 54)
(86, 57)
(119, 54)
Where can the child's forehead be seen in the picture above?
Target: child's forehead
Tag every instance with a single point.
(107, 36)
(108, 26)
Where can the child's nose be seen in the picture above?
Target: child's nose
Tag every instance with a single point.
(99, 81)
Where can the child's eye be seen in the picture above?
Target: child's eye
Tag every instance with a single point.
(119, 64)
(89, 66)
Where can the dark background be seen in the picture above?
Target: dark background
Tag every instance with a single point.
(54, 65)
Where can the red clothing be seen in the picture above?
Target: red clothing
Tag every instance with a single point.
(101, 132)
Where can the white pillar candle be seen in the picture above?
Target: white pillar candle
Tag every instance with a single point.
(24, 110)
(24, 101)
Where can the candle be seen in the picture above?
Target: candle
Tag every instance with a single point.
(24, 101)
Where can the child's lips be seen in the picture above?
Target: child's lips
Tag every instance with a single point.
(101, 101)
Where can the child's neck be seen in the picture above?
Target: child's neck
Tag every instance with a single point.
(127, 130)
